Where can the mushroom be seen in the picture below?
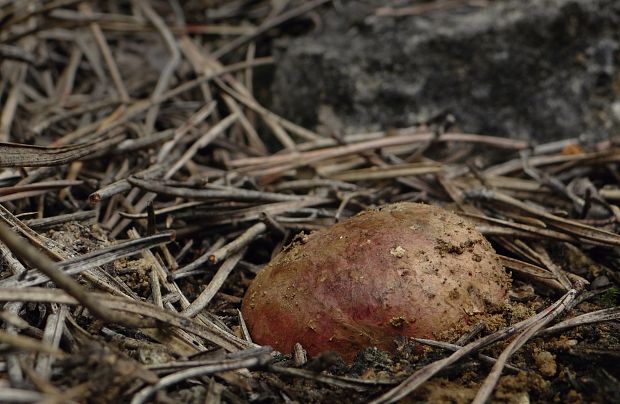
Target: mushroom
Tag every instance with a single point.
(404, 269)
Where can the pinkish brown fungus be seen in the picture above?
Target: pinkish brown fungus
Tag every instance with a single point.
(405, 269)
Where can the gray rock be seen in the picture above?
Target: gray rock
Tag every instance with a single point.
(528, 69)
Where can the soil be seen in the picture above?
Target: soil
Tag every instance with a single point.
(572, 367)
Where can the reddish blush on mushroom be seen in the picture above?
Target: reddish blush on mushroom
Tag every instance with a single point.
(405, 269)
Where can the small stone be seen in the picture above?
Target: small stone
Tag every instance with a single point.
(521, 398)
(398, 252)
(600, 282)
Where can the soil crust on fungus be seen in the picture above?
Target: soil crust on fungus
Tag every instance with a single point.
(400, 270)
